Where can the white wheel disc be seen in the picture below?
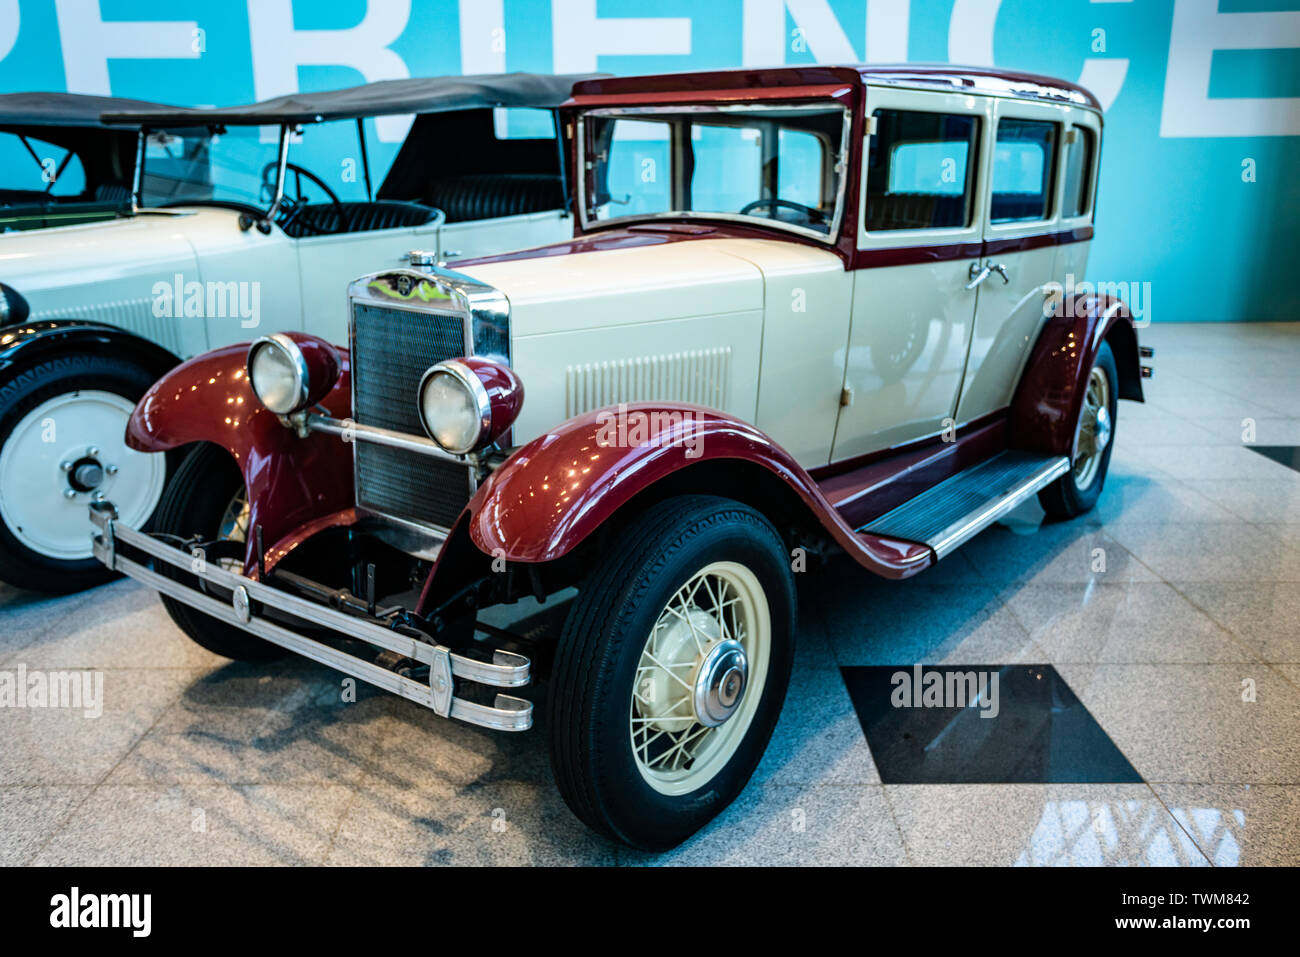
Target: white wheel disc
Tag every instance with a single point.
(62, 454)
(700, 678)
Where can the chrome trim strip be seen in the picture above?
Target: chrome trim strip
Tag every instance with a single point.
(840, 167)
(970, 525)
(506, 670)
(350, 431)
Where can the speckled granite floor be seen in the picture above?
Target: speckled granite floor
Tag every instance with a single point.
(196, 760)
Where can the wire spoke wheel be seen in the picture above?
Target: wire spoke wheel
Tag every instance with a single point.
(1094, 429)
(699, 678)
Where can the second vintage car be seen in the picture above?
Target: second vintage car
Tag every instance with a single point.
(146, 234)
(806, 309)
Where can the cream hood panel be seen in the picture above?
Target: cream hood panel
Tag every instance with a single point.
(675, 280)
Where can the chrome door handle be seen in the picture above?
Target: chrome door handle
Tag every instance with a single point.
(979, 273)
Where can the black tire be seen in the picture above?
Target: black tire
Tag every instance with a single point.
(21, 565)
(1063, 498)
(587, 708)
(194, 504)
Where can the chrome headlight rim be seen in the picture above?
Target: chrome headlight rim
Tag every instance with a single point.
(298, 362)
(465, 376)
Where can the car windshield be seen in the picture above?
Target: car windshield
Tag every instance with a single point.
(780, 164)
(239, 165)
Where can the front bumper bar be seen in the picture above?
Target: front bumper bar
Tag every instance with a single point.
(250, 599)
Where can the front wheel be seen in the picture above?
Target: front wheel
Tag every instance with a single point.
(1077, 490)
(671, 671)
(62, 446)
(206, 502)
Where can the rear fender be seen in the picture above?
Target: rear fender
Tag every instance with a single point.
(1046, 405)
(556, 491)
(292, 482)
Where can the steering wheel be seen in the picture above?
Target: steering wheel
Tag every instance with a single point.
(772, 201)
(294, 203)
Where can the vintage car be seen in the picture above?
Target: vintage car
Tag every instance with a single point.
(180, 229)
(805, 310)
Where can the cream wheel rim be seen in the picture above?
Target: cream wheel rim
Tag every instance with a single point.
(700, 678)
(1094, 430)
(64, 454)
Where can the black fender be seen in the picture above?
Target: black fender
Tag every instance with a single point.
(24, 344)
(13, 307)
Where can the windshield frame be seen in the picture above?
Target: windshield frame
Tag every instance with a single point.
(840, 166)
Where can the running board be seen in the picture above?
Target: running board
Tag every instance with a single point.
(956, 509)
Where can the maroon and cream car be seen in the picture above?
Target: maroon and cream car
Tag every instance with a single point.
(804, 310)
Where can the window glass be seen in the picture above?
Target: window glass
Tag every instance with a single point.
(771, 164)
(523, 123)
(920, 170)
(1023, 158)
(1078, 173)
(637, 162)
(728, 166)
(800, 161)
(54, 170)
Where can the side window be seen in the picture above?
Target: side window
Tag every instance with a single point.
(728, 166)
(920, 170)
(32, 165)
(1023, 160)
(1078, 172)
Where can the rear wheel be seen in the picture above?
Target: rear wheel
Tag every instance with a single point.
(671, 671)
(206, 499)
(62, 446)
(1077, 490)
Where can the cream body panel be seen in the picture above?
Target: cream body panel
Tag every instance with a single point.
(660, 306)
(484, 237)
(911, 324)
(105, 272)
(608, 288)
(809, 296)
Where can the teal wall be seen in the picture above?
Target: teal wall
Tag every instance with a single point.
(1200, 183)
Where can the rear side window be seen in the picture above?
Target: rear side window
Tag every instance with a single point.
(1078, 172)
(32, 166)
(1023, 161)
(920, 170)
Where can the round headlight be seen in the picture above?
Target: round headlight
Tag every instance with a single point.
(278, 373)
(454, 407)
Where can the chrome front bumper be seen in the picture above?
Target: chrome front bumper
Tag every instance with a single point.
(250, 598)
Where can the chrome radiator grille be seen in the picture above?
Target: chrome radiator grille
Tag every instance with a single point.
(391, 350)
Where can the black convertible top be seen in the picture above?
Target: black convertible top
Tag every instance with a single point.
(69, 109)
(433, 94)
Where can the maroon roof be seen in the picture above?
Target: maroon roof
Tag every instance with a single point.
(987, 80)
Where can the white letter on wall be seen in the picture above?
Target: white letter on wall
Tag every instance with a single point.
(279, 49)
(578, 37)
(764, 41)
(482, 36)
(89, 43)
(1199, 29)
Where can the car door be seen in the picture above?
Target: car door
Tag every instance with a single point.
(1021, 246)
(920, 231)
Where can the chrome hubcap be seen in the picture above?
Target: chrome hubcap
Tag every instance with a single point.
(720, 683)
(1094, 430)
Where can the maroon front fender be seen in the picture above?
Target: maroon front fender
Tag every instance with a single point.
(291, 481)
(1045, 408)
(558, 489)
